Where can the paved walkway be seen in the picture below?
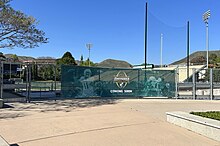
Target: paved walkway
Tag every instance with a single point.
(101, 122)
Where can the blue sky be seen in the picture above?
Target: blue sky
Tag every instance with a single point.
(116, 28)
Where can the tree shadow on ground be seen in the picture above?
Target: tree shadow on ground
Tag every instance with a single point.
(7, 106)
(59, 105)
(11, 115)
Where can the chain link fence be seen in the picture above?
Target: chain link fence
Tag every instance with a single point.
(30, 81)
(202, 84)
(84, 82)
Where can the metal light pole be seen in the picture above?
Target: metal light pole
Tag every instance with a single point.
(161, 50)
(205, 17)
(89, 46)
(145, 40)
(188, 47)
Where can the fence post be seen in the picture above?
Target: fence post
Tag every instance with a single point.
(29, 81)
(194, 84)
(55, 78)
(176, 81)
(29, 70)
(138, 79)
(51, 86)
(100, 82)
(211, 84)
(26, 83)
(40, 92)
(2, 78)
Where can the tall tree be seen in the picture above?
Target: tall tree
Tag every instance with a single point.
(17, 29)
(46, 72)
(15, 58)
(212, 58)
(87, 62)
(81, 60)
(67, 59)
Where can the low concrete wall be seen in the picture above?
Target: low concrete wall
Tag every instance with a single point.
(204, 126)
(3, 142)
(1, 103)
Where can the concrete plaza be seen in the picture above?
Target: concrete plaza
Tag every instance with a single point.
(112, 122)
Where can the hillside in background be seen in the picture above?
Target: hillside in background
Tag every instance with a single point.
(111, 63)
(198, 57)
(20, 58)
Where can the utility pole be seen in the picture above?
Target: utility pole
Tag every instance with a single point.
(161, 50)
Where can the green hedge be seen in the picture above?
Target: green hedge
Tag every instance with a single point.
(210, 114)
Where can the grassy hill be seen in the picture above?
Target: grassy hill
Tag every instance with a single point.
(111, 63)
(196, 55)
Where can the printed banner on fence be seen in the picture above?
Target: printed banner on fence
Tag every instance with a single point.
(83, 82)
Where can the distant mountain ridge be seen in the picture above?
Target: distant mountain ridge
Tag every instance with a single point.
(196, 55)
(109, 63)
(20, 58)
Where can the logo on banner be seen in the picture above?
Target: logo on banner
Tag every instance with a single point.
(121, 79)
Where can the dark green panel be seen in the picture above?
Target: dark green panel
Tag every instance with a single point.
(82, 82)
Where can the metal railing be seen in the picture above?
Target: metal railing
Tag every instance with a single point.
(203, 84)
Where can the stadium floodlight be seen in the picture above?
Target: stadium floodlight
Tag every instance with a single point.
(89, 46)
(206, 17)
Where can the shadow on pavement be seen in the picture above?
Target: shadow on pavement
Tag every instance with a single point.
(7, 106)
(11, 115)
(16, 110)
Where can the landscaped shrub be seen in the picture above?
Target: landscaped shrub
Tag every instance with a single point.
(210, 114)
